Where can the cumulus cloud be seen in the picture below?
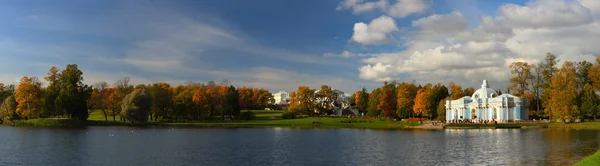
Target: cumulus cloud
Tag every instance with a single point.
(546, 13)
(400, 9)
(436, 26)
(444, 49)
(376, 32)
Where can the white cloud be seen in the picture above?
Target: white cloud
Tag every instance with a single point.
(444, 49)
(376, 32)
(546, 13)
(400, 9)
(358, 6)
(345, 54)
(403, 8)
(436, 26)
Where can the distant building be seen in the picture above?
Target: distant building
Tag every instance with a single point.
(281, 97)
(486, 104)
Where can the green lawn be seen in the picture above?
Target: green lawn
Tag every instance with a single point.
(590, 160)
(319, 122)
(264, 114)
(583, 125)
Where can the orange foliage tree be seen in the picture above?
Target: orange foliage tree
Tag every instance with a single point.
(28, 96)
(421, 106)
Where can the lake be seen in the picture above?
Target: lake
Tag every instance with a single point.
(285, 146)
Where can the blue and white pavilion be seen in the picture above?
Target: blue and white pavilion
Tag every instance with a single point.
(486, 104)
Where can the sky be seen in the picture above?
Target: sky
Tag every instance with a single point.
(279, 45)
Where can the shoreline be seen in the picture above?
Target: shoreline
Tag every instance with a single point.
(310, 122)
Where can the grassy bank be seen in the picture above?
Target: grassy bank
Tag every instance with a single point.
(590, 160)
(583, 125)
(263, 119)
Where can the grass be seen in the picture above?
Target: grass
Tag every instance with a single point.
(583, 125)
(263, 119)
(590, 160)
(311, 122)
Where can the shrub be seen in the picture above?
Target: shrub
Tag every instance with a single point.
(289, 115)
(248, 115)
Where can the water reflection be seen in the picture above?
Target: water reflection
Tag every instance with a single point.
(284, 146)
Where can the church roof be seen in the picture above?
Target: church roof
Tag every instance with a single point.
(485, 91)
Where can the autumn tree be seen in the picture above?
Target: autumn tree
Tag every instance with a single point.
(98, 98)
(8, 110)
(594, 74)
(362, 102)
(136, 106)
(421, 106)
(6, 91)
(325, 98)
(548, 70)
(304, 100)
(387, 99)
(469, 91)
(519, 84)
(28, 95)
(373, 109)
(353, 99)
(113, 101)
(73, 93)
(456, 91)
(162, 99)
(563, 103)
(589, 102)
(200, 99)
(406, 99)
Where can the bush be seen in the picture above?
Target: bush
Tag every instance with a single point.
(248, 115)
(289, 115)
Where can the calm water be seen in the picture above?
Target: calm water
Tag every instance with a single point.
(282, 146)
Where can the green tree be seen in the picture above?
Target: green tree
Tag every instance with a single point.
(162, 99)
(363, 101)
(548, 70)
(441, 109)
(136, 106)
(73, 93)
(373, 109)
(8, 110)
(232, 106)
(582, 74)
(589, 102)
(437, 93)
(51, 92)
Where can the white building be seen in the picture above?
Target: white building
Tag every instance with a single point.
(486, 104)
(281, 97)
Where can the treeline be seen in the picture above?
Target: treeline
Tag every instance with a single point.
(67, 97)
(566, 93)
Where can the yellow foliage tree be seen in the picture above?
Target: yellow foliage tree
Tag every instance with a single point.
(563, 103)
(594, 74)
(28, 96)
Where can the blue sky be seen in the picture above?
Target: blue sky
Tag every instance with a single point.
(271, 44)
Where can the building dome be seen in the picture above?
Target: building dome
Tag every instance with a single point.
(485, 91)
